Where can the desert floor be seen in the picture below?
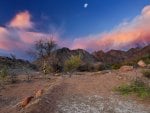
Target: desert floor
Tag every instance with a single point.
(84, 92)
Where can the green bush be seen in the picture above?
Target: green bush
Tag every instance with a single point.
(146, 73)
(137, 87)
(146, 58)
(72, 63)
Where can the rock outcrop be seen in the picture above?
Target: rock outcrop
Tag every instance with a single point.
(15, 63)
(141, 63)
(26, 101)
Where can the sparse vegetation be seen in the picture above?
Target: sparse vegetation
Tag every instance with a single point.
(72, 63)
(3, 74)
(28, 74)
(137, 87)
(146, 58)
(13, 77)
(146, 73)
(88, 67)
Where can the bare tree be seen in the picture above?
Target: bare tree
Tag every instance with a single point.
(13, 57)
(39, 48)
(44, 47)
(49, 46)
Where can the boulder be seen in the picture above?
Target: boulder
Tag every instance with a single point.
(126, 68)
(141, 63)
(26, 101)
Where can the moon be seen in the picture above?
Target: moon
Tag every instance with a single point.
(85, 5)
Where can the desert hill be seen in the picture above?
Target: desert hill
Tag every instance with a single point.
(119, 56)
(15, 63)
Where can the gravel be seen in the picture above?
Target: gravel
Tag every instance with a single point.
(99, 104)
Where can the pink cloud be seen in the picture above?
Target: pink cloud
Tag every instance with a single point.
(22, 21)
(31, 37)
(125, 35)
(7, 41)
(20, 38)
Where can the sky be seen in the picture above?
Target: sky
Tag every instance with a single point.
(86, 24)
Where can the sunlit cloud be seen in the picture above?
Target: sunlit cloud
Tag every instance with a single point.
(125, 35)
(22, 21)
(16, 36)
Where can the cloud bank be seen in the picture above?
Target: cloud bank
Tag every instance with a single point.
(124, 36)
(18, 36)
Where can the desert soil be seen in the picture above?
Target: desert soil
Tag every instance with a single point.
(81, 93)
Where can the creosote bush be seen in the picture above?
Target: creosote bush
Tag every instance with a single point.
(137, 87)
(72, 63)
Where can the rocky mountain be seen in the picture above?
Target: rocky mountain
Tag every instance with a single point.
(64, 53)
(99, 59)
(112, 56)
(15, 63)
(118, 56)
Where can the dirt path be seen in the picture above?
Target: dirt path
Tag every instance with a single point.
(88, 94)
(12, 94)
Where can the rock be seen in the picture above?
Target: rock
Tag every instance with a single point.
(57, 74)
(126, 68)
(39, 93)
(141, 63)
(26, 101)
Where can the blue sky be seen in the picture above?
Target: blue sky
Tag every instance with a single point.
(69, 18)
(99, 16)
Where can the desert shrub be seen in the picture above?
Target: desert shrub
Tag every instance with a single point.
(56, 67)
(83, 68)
(4, 74)
(90, 67)
(129, 63)
(104, 67)
(72, 63)
(137, 87)
(47, 69)
(146, 73)
(146, 58)
(86, 67)
(115, 66)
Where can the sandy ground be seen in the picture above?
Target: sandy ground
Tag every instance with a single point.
(12, 94)
(83, 93)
